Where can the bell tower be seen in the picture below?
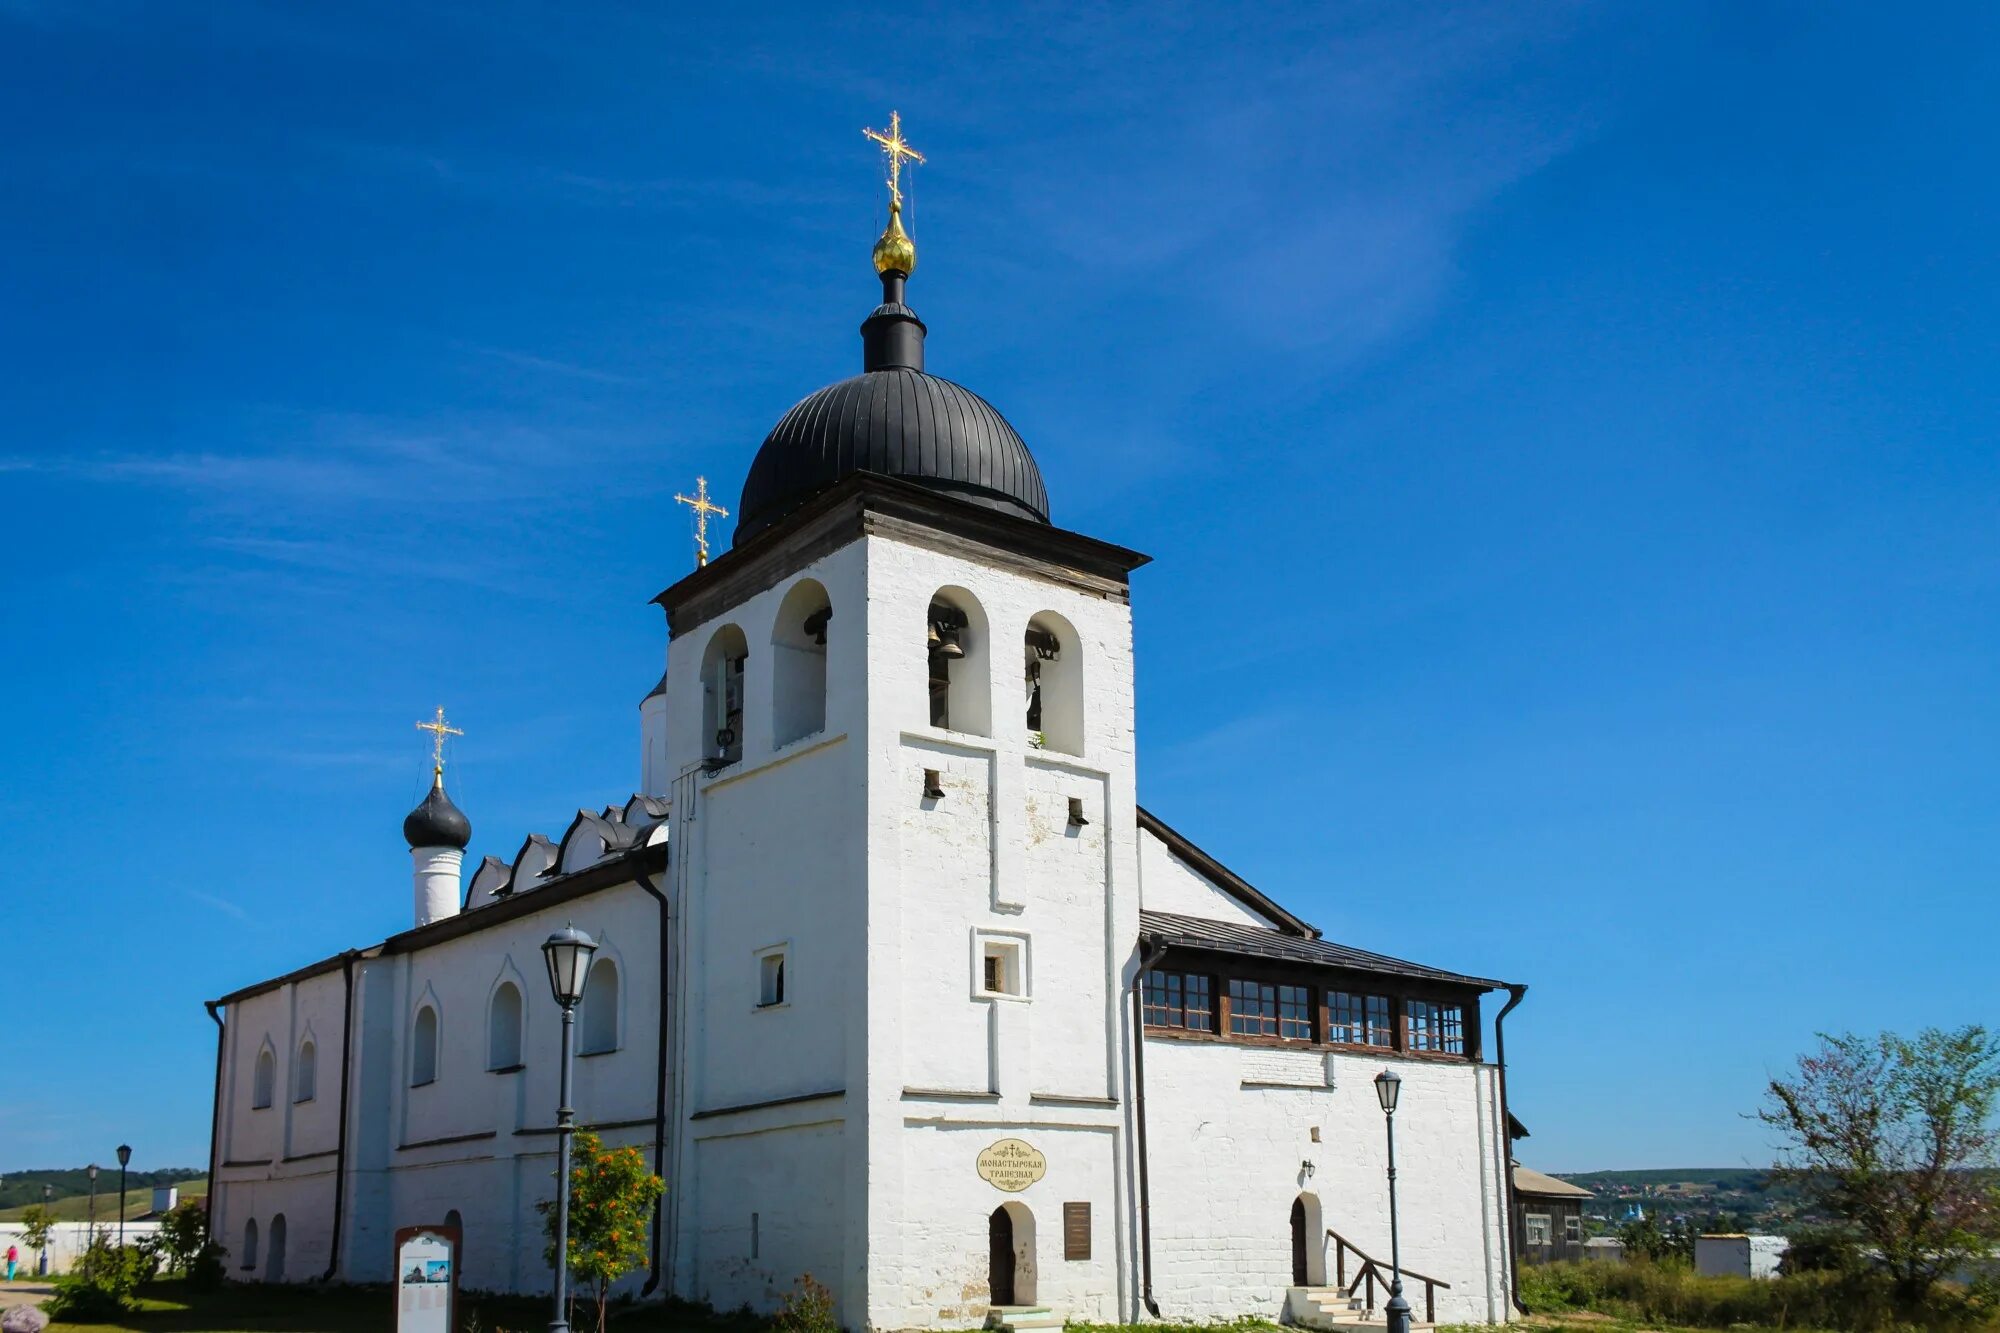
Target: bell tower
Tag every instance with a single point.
(898, 741)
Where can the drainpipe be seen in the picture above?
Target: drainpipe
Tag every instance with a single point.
(1515, 994)
(1154, 949)
(340, 1147)
(660, 1085)
(215, 1124)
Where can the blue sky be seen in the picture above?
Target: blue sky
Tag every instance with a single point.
(1566, 436)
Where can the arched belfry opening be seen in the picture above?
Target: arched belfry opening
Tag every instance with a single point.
(1052, 679)
(956, 652)
(723, 663)
(1010, 1237)
(798, 663)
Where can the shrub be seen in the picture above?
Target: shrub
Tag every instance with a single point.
(1860, 1301)
(205, 1272)
(807, 1308)
(78, 1300)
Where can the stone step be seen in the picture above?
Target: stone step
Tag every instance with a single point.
(1022, 1317)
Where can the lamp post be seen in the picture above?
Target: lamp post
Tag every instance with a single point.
(91, 1171)
(48, 1192)
(124, 1160)
(1387, 1088)
(568, 954)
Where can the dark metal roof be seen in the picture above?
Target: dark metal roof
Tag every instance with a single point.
(1195, 932)
(901, 423)
(437, 822)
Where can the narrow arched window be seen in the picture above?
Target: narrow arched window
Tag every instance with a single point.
(600, 1009)
(250, 1243)
(723, 664)
(1052, 680)
(503, 1028)
(306, 1081)
(798, 663)
(424, 1048)
(957, 671)
(274, 1264)
(263, 1079)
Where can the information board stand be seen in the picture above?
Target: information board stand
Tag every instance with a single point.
(427, 1279)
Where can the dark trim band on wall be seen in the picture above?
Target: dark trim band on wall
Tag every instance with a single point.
(311, 1156)
(595, 1129)
(447, 1139)
(250, 1161)
(775, 1101)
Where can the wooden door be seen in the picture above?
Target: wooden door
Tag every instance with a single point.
(1000, 1245)
(1299, 1273)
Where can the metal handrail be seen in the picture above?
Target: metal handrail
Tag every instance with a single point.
(1372, 1271)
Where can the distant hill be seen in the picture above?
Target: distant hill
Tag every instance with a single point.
(18, 1189)
(1749, 1179)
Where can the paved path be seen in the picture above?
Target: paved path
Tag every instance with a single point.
(24, 1291)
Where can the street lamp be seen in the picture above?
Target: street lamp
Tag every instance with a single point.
(1387, 1088)
(91, 1171)
(48, 1192)
(568, 954)
(124, 1160)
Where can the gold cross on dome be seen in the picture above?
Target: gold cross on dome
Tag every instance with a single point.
(438, 730)
(897, 149)
(703, 507)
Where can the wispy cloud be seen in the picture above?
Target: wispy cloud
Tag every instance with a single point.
(549, 365)
(222, 905)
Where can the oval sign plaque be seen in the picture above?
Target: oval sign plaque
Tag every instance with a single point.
(1012, 1165)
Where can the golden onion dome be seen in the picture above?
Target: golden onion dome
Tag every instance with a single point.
(895, 252)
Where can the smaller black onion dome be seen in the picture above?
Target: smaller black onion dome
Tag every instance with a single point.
(437, 822)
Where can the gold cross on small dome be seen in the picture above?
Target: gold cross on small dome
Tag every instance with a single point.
(438, 730)
(703, 507)
(897, 149)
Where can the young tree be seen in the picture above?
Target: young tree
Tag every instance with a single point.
(37, 1224)
(611, 1197)
(183, 1231)
(1892, 1135)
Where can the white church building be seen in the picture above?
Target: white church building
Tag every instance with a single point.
(899, 985)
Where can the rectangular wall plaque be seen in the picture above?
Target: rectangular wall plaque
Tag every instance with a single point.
(1076, 1231)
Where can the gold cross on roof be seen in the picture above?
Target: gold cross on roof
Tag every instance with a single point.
(703, 507)
(438, 730)
(898, 150)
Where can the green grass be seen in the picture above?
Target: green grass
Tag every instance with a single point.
(168, 1307)
(1671, 1295)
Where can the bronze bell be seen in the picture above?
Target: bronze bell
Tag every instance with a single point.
(949, 647)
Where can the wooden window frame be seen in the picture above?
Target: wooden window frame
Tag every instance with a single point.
(1223, 969)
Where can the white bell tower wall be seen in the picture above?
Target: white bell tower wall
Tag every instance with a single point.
(769, 882)
(1025, 862)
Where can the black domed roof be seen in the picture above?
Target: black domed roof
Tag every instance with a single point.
(437, 822)
(896, 420)
(900, 422)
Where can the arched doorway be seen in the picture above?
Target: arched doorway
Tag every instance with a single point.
(1010, 1238)
(1299, 1272)
(1000, 1256)
(1308, 1242)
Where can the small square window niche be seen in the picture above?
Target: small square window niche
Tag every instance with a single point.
(772, 981)
(1003, 965)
